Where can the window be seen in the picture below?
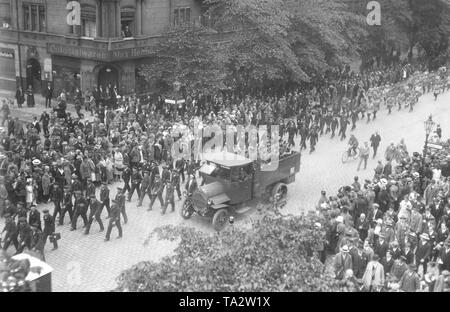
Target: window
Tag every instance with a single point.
(5, 19)
(88, 21)
(181, 16)
(34, 17)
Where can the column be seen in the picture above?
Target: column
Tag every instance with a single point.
(104, 13)
(118, 20)
(98, 19)
(138, 17)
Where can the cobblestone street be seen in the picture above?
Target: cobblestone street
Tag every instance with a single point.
(87, 263)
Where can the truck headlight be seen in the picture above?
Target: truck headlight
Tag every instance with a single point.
(210, 202)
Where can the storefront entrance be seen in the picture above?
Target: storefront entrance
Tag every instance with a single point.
(34, 75)
(108, 75)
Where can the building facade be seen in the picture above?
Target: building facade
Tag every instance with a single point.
(38, 46)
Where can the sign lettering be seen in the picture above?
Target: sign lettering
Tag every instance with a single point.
(74, 16)
(97, 54)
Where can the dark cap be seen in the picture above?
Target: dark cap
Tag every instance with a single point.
(114, 201)
(45, 210)
(92, 196)
(120, 189)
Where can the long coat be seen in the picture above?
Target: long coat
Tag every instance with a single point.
(46, 184)
(374, 275)
(410, 281)
(342, 263)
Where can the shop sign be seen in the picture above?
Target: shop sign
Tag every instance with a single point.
(96, 54)
(7, 53)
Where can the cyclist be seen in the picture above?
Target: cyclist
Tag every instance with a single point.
(353, 145)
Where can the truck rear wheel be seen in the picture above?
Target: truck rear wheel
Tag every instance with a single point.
(220, 219)
(186, 210)
(280, 191)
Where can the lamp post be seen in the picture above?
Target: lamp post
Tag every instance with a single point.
(429, 128)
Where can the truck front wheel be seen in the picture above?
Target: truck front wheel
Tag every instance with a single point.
(186, 209)
(220, 219)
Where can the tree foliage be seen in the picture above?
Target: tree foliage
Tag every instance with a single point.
(275, 254)
(186, 56)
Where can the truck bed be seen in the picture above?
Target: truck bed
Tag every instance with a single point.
(288, 166)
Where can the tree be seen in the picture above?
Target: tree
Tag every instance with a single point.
(275, 254)
(186, 56)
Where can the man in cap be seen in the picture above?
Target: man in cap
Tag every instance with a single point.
(37, 241)
(95, 212)
(165, 174)
(67, 205)
(49, 228)
(176, 182)
(170, 198)
(136, 179)
(423, 252)
(80, 209)
(114, 220)
(11, 233)
(120, 199)
(342, 262)
(145, 187)
(58, 197)
(24, 231)
(381, 246)
(156, 192)
(104, 197)
(90, 188)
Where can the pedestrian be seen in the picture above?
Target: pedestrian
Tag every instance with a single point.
(410, 281)
(30, 96)
(49, 229)
(156, 192)
(114, 220)
(342, 262)
(79, 209)
(96, 208)
(20, 97)
(364, 155)
(67, 205)
(373, 279)
(104, 197)
(120, 199)
(170, 198)
(10, 233)
(375, 140)
(48, 94)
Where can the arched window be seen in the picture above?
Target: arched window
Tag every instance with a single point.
(88, 21)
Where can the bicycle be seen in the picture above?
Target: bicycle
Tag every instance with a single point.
(346, 156)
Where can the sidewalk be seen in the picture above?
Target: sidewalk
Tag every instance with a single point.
(28, 113)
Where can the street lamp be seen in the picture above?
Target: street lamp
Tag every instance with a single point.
(429, 128)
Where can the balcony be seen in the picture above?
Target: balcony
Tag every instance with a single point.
(100, 49)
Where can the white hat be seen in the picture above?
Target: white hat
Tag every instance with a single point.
(344, 248)
(340, 219)
(36, 162)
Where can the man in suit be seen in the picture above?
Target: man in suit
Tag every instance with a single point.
(114, 220)
(45, 119)
(104, 197)
(342, 262)
(423, 252)
(35, 217)
(120, 199)
(67, 205)
(170, 198)
(145, 187)
(11, 233)
(359, 259)
(381, 246)
(375, 140)
(375, 214)
(48, 94)
(49, 228)
(444, 256)
(156, 192)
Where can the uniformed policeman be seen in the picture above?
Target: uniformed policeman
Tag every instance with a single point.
(165, 174)
(145, 187)
(80, 209)
(49, 228)
(22, 212)
(58, 197)
(156, 192)
(120, 199)
(11, 233)
(37, 240)
(24, 231)
(176, 182)
(95, 212)
(114, 220)
(67, 205)
(104, 196)
(170, 197)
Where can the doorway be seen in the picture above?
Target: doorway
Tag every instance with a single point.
(108, 75)
(34, 75)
